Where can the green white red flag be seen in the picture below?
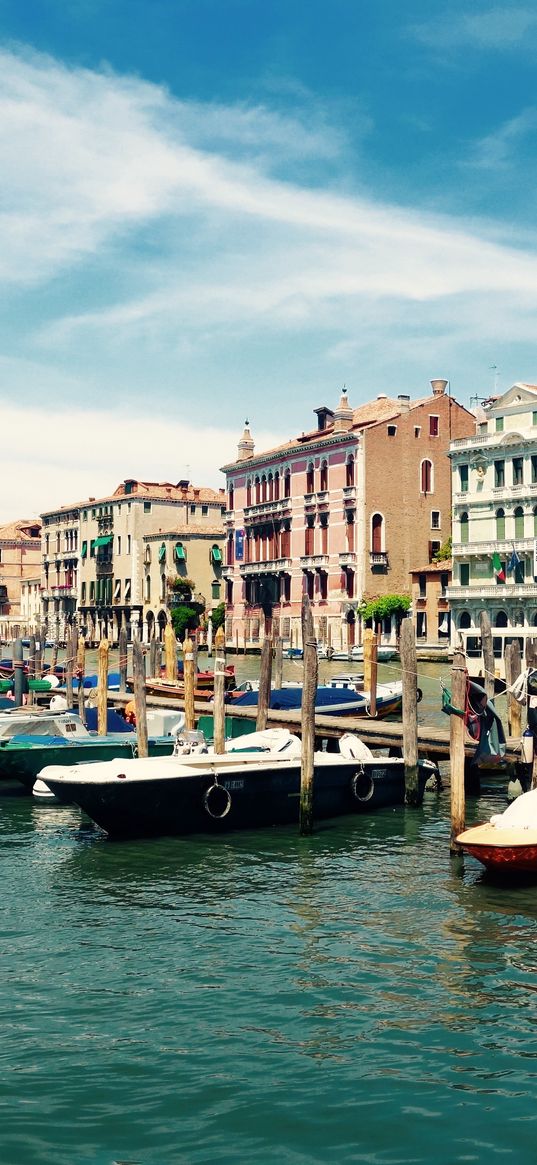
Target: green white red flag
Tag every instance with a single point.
(498, 568)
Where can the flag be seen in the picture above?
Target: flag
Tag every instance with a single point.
(498, 568)
(513, 562)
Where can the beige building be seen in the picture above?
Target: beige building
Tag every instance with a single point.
(192, 553)
(31, 604)
(430, 606)
(20, 558)
(94, 560)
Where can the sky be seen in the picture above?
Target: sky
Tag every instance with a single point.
(220, 209)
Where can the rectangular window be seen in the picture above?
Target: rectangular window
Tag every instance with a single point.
(435, 519)
(444, 583)
(309, 536)
(434, 547)
(392, 430)
(464, 574)
(147, 507)
(323, 585)
(192, 509)
(417, 430)
(422, 583)
(128, 543)
(127, 590)
(534, 418)
(434, 425)
(463, 478)
(119, 543)
(205, 510)
(83, 593)
(499, 474)
(534, 469)
(499, 424)
(215, 590)
(92, 592)
(518, 470)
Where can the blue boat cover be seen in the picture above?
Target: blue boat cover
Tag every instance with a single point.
(114, 722)
(287, 699)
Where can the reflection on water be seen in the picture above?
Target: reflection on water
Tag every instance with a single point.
(353, 996)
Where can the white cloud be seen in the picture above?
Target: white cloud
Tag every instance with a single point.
(500, 27)
(498, 151)
(53, 458)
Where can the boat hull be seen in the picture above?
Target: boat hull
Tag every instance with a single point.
(504, 851)
(246, 795)
(23, 762)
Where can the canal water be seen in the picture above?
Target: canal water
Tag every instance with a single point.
(357, 996)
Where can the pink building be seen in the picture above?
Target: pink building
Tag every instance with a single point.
(337, 512)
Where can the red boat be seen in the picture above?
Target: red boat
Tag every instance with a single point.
(508, 842)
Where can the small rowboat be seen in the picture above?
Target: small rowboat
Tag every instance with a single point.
(508, 842)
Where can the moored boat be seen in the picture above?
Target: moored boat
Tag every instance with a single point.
(508, 842)
(333, 699)
(249, 786)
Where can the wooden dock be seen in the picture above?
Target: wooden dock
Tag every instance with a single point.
(433, 742)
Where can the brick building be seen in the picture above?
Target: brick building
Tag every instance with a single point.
(342, 512)
(20, 558)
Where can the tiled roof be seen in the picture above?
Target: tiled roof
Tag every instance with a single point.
(150, 491)
(434, 567)
(16, 531)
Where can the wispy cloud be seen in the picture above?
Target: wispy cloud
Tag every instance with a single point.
(500, 151)
(499, 28)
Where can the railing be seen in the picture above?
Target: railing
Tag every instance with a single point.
(267, 566)
(348, 558)
(503, 592)
(63, 592)
(279, 506)
(349, 493)
(314, 561)
(378, 558)
(505, 546)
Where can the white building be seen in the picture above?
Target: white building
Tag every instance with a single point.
(495, 525)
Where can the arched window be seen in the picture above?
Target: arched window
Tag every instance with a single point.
(519, 522)
(276, 486)
(257, 491)
(501, 620)
(465, 528)
(426, 477)
(287, 484)
(163, 588)
(500, 524)
(263, 488)
(231, 496)
(148, 588)
(323, 484)
(465, 620)
(148, 556)
(270, 488)
(310, 478)
(249, 492)
(377, 534)
(349, 471)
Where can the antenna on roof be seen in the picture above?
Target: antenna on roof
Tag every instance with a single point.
(494, 369)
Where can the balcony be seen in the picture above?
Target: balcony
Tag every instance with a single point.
(281, 506)
(66, 592)
(322, 497)
(349, 493)
(502, 592)
(267, 566)
(378, 558)
(104, 567)
(314, 561)
(487, 549)
(348, 558)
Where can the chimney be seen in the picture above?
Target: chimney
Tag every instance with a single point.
(246, 445)
(439, 387)
(343, 415)
(404, 402)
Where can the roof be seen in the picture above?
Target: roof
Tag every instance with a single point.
(18, 531)
(444, 566)
(188, 530)
(149, 491)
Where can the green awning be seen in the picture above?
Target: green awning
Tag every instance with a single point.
(217, 554)
(104, 541)
(84, 550)
(179, 551)
(162, 554)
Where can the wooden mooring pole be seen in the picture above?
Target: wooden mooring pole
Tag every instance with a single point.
(31, 667)
(265, 675)
(409, 674)
(512, 672)
(69, 668)
(457, 731)
(81, 672)
(309, 689)
(122, 653)
(188, 679)
(219, 710)
(488, 654)
(102, 686)
(18, 667)
(170, 653)
(278, 662)
(140, 705)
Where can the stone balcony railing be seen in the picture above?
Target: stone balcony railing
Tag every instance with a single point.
(64, 592)
(279, 506)
(266, 566)
(314, 561)
(348, 558)
(349, 493)
(487, 549)
(502, 592)
(378, 558)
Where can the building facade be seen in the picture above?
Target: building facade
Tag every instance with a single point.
(341, 512)
(20, 558)
(430, 604)
(495, 522)
(95, 556)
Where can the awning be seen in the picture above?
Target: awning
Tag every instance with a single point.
(217, 554)
(105, 540)
(84, 550)
(162, 553)
(180, 552)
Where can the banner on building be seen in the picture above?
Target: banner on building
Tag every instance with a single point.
(239, 545)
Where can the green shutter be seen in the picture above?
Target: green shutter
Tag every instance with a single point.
(217, 554)
(162, 553)
(105, 540)
(84, 550)
(180, 552)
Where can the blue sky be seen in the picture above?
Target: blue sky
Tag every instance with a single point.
(214, 209)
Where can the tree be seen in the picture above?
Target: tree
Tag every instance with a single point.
(374, 611)
(218, 616)
(185, 618)
(444, 552)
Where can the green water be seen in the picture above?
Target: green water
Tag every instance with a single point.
(354, 997)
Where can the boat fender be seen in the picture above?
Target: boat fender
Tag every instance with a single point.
(419, 695)
(217, 801)
(362, 785)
